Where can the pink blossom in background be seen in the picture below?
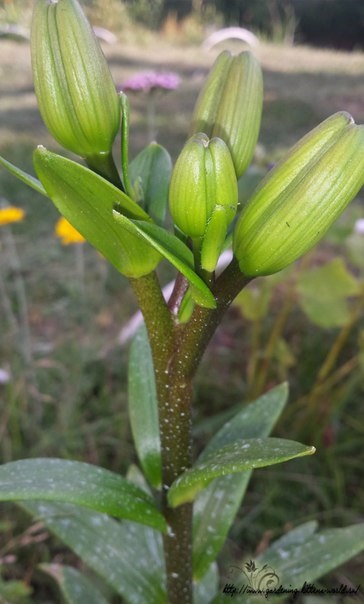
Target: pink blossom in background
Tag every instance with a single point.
(148, 81)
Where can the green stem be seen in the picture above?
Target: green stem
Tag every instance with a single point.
(104, 165)
(177, 350)
(174, 404)
(124, 103)
(193, 338)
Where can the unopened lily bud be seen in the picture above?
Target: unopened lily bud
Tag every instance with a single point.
(75, 91)
(230, 105)
(301, 197)
(203, 180)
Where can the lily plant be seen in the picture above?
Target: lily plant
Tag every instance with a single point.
(155, 535)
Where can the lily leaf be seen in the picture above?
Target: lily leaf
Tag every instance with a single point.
(306, 557)
(210, 526)
(297, 559)
(128, 556)
(55, 171)
(205, 589)
(74, 586)
(239, 456)
(28, 179)
(143, 407)
(176, 252)
(152, 167)
(79, 483)
(87, 200)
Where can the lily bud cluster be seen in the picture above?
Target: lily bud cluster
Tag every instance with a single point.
(297, 202)
(290, 210)
(225, 126)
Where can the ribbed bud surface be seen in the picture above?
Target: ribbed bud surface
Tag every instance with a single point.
(230, 104)
(202, 179)
(301, 197)
(75, 91)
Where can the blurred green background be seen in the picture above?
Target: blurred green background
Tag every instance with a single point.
(62, 308)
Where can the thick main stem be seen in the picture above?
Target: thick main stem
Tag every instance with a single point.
(177, 351)
(174, 394)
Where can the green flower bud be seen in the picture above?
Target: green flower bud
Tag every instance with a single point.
(75, 91)
(230, 105)
(204, 192)
(301, 197)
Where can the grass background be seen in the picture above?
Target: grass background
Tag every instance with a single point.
(58, 338)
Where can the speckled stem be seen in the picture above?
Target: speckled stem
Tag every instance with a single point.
(177, 351)
(174, 399)
(193, 338)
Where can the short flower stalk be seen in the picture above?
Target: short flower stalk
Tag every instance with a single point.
(122, 211)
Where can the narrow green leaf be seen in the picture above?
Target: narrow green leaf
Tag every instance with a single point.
(300, 534)
(143, 407)
(128, 556)
(62, 175)
(210, 525)
(78, 483)
(74, 586)
(136, 476)
(176, 252)
(323, 293)
(312, 555)
(87, 200)
(206, 588)
(298, 557)
(29, 180)
(239, 456)
(152, 167)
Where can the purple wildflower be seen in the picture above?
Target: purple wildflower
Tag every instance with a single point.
(149, 81)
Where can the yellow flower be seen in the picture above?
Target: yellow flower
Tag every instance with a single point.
(67, 233)
(11, 214)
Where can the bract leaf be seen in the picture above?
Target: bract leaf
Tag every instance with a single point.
(55, 169)
(87, 200)
(29, 180)
(152, 167)
(210, 526)
(143, 407)
(128, 556)
(176, 252)
(74, 586)
(79, 483)
(241, 455)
